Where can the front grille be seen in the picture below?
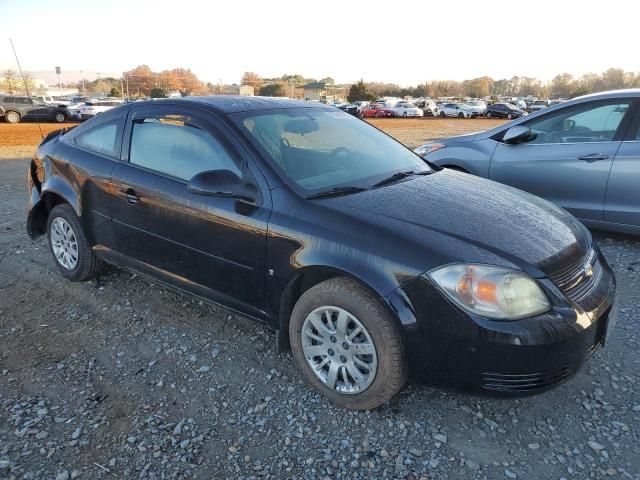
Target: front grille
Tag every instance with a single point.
(523, 382)
(577, 281)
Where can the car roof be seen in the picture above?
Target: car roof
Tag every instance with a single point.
(237, 103)
(626, 92)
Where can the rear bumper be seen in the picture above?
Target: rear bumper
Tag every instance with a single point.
(451, 348)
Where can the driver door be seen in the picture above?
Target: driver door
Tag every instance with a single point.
(210, 245)
(569, 161)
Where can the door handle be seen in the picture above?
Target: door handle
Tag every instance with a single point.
(592, 157)
(130, 195)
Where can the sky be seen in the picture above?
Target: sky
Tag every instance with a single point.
(401, 41)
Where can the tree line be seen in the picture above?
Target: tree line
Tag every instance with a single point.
(141, 81)
(563, 85)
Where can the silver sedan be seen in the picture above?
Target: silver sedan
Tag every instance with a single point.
(583, 154)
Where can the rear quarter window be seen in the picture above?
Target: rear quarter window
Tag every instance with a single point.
(102, 139)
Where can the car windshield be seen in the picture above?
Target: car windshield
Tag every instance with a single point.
(320, 149)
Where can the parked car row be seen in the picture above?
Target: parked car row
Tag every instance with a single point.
(428, 107)
(17, 108)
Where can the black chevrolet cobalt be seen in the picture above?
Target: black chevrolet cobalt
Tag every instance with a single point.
(369, 263)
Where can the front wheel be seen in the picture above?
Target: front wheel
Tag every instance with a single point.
(346, 344)
(70, 249)
(442, 115)
(509, 116)
(489, 115)
(59, 117)
(12, 117)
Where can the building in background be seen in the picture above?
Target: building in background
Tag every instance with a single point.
(244, 90)
(322, 92)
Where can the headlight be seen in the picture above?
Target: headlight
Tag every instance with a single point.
(428, 148)
(493, 292)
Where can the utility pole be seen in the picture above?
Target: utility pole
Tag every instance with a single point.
(84, 92)
(58, 71)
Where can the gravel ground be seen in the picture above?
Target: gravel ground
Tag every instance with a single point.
(124, 378)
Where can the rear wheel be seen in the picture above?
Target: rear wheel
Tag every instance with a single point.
(346, 344)
(489, 114)
(461, 115)
(404, 114)
(69, 246)
(12, 117)
(509, 116)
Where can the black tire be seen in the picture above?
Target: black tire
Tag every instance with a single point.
(442, 115)
(404, 115)
(509, 116)
(60, 117)
(461, 115)
(392, 371)
(88, 265)
(11, 117)
(489, 115)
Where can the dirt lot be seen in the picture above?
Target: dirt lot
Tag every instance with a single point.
(415, 131)
(122, 378)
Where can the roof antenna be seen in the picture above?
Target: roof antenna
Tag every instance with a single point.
(24, 81)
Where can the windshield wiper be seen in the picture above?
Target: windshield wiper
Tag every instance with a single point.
(336, 191)
(399, 176)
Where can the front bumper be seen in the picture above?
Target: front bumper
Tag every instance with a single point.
(449, 347)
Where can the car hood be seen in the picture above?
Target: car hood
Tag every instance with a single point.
(467, 137)
(467, 218)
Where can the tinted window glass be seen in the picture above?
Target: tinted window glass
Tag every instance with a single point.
(23, 100)
(177, 146)
(101, 139)
(8, 100)
(590, 123)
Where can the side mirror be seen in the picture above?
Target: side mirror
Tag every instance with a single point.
(222, 183)
(518, 134)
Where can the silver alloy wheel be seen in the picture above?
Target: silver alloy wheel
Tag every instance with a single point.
(339, 350)
(12, 117)
(59, 117)
(64, 243)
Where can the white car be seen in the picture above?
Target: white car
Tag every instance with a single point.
(406, 109)
(93, 108)
(456, 110)
(477, 106)
(74, 110)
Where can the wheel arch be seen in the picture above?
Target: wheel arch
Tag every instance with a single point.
(305, 279)
(60, 193)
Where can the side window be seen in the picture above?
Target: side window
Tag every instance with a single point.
(590, 123)
(101, 139)
(176, 145)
